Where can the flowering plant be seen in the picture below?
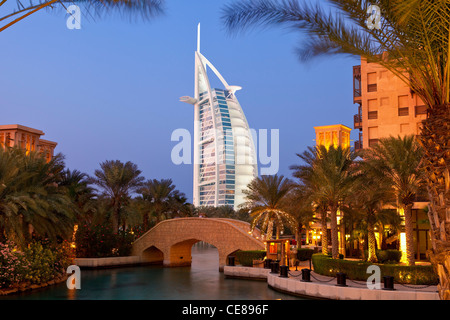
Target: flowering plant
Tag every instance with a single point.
(12, 265)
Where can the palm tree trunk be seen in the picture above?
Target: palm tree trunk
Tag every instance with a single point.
(269, 230)
(409, 232)
(372, 241)
(116, 216)
(435, 139)
(334, 233)
(324, 233)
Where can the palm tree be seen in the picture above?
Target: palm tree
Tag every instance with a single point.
(30, 200)
(310, 187)
(300, 208)
(412, 42)
(162, 200)
(397, 160)
(76, 184)
(117, 181)
(144, 8)
(266, 198)
(371, 199)
(334, 177)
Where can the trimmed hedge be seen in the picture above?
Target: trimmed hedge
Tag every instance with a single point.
(245, 258)
(357, 270)
(387, 256)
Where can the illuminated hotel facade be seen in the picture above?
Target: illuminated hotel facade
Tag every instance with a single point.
(29, 139)
(224, 153)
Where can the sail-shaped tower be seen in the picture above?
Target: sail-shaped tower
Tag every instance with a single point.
(224, 152)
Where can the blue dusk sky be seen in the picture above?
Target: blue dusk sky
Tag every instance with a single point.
(111, 89)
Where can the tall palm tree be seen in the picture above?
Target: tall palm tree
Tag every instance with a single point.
(334, 177)
(310, 187)
(134, 8)
(117, 181)
(300, 208)
(265, 199)
(397, 160)
(371, 199)
(411, 41)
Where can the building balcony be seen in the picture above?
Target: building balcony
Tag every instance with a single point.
(357, 84)
(357, 121)
(358, 145)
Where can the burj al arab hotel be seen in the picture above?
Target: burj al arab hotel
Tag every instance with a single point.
(224, 151)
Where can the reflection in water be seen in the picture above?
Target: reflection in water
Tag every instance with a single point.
(201, 281)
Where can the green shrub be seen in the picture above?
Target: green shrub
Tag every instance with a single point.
(357, 270)
(341, 256)
(41, 261)
(389, 256)
(304, 254)
(99, 241)
(245, 258)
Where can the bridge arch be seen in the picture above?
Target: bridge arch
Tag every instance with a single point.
(170, 241)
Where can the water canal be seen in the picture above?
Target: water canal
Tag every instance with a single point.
(201, 281)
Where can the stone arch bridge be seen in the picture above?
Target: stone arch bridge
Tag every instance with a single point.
(170, 241)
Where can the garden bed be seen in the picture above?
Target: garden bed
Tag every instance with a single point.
(26, 286)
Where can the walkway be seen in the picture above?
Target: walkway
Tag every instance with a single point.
(323, 287)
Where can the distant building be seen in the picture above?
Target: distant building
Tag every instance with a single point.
(29, 139)
(224, 152)
(333, 135)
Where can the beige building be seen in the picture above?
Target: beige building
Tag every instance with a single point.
(386, 105)
(12, 135)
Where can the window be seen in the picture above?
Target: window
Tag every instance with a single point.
(403, 107)
(373, 132)
(421, 110)
(372, 82)
(403, 112)
(373, 108)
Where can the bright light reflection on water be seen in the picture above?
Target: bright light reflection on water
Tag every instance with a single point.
(201, 281)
